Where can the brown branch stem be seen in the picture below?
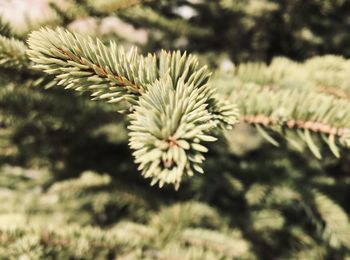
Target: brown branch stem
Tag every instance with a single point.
(123, 81)
(313, 126)
(340, 93)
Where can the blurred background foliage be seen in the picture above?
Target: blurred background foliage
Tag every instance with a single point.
(69, 188)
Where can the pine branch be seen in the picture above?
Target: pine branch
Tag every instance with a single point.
(229, 246)
(170, 123)
(297, 100)
(337, 225)
(326, 74)
(12, 54)
(91, 241)
(267, 220)
(14, 60)
(296, 110)
(330, 74)
(171, 220)
(166, 131)
(174, 110)
(256, 194)
(84, 64)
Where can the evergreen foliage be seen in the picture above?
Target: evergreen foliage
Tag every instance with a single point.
(5, 29)
(258, 30)
(270, 97)
(173, 107)
(69, 186)
(12, 53)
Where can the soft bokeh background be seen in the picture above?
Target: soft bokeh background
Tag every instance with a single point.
(69, 188)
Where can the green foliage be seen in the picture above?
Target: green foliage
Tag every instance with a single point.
(174, 109)
(258, 30)
(171, 220)
(297, 100)
(69, 187)
(194, 235)
(85, 64)
(12, 53)
(166, 130)
(336, 222)
(5, 28)
(178, 27)
(227, 246)
(108, 6)
(95, 215)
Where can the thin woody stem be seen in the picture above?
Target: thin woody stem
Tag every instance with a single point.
(123, 81)
(340, 93)
(314, 126)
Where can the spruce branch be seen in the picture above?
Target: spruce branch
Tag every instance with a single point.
(330, 74)
(230, 246)
(14, 60)
(298, 100)
(296, 110)
(172, 107)
(91, 240)
(12, 54)
(84, 64)
(167, 128)
(326, 74)
(336, 223)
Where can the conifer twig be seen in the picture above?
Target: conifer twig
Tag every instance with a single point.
(172, 108)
